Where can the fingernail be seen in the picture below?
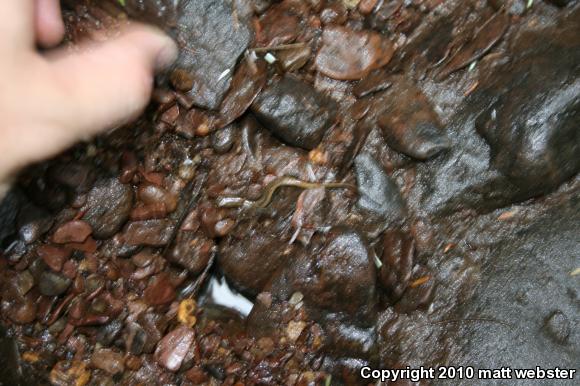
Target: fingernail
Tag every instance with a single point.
(167, 56)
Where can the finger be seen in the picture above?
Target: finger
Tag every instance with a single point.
(48, 23)
(17, 23)
(99, 88)
(106, 85)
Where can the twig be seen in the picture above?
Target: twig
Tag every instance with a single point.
(279, 48)
(194, 189)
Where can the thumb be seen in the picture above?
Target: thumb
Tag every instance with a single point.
(76, 95)
(103, 86)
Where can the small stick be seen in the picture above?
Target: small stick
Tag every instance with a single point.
(279, 48)
(195, 191)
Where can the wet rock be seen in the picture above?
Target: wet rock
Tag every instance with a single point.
(532, 123)
(109, 332)
(153, 233)
(339, 277)
(334, 13)
(108, 360)
(32, 223)
(419, 293)
(108, 207)
(143, 258)
(181, 80)
(281, 25)
(53, 284)
(295, 112)
(350, 55)
(149, 212)
(66, 373)
(383, 12)
(191, 251)
(154, 327)
(159, 291)
(135, 339)
(409, 123)
(238, 259)
(224, 227)
(248, 81)
(197, 375)
(76, 231)
(485, 38)
(374, 82)
(23, 312)
(53, 256)
(205, 25)
(294, 59)
(222, 140)
(151, 194)
(378, 193)
(17, 286)
(557, 327)
(397, 259)
(174, 347)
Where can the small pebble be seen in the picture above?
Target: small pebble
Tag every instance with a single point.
(173, 348)
(53, 256)
(76, 231)
(108, 361)
(53, 284)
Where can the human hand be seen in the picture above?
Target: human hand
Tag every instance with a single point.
(48, 102)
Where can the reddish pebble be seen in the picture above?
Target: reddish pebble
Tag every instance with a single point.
(148, 212)
(160, 291)
(173, 348)
(151, 194)
(76, 231)
(154, 233)
(23, 313)
(196, 375)
(154, 177)
(53, 256)
(88, 246)
(108, 360)
(170, 115)
(350, 55)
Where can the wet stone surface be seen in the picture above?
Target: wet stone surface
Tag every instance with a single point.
(108, 206)
(316, 186)
(214, 33)
(378, 193)
(541, 132)
(295, 112)
(337, 277)
(349, 55)
(409, 123)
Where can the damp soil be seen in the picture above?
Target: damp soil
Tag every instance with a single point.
(316, 186)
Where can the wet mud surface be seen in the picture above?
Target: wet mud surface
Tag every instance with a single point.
(317, 186)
